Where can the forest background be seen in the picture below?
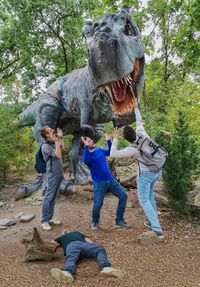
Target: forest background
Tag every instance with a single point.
(41, 40)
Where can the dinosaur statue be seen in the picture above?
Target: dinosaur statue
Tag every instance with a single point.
(103, 91)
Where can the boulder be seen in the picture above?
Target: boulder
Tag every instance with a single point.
(147, 238)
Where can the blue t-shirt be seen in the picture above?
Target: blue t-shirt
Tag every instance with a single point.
(96, 161)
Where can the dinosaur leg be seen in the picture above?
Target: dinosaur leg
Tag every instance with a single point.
(81, 175)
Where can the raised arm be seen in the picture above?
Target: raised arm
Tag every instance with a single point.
(139, 123)
(86, 154)
(109, 143)
(126, 152)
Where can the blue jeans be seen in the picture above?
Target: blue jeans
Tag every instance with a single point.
(99, 191)
(146, 181)
(53, 183)
(78, 250)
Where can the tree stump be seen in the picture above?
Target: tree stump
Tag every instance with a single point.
(38, 248)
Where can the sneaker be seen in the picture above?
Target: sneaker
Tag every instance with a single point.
(61, 275)
(45, 226)
(160, 235)
(109, 271)
(95, 226)
(55, 221)
(147, 224)
(122, 224)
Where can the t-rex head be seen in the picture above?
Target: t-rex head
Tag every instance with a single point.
(116, 59)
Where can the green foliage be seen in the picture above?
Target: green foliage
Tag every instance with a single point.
(41, 39)
(181, 164)
(16, 146)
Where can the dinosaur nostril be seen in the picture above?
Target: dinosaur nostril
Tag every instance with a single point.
(106, 29)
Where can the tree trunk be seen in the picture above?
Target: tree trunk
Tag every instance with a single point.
(39, 249)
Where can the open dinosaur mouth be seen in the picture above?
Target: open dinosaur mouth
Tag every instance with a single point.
(123, 92)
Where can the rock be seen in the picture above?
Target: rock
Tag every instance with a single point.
(7, 222)
(1, 204)
(131, 204)
(39, 198)
(19, 215)
(3, 227)
(148, 237)
(28, 200)
(37, 203)
(26, 218)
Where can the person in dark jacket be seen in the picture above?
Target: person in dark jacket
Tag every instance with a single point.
(77, 246)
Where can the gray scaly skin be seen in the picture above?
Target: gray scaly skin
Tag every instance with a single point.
(83, 100)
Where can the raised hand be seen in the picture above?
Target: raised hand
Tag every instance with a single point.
(59, 133)
(85, 141)
(116, 133)
(107, 137)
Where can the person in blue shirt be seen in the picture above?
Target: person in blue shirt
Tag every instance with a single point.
(103, 181)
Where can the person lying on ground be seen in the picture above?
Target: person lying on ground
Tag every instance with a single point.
(77, 246)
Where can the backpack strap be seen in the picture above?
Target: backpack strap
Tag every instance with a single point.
(50, 157)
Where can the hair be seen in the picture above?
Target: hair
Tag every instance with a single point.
(129, 134)
(43, 132)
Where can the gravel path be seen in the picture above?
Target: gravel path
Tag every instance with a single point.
(172, 262)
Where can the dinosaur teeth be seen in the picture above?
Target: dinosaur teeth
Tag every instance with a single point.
(101, 90)
(126, 80)
(109, 91)
(113, 84)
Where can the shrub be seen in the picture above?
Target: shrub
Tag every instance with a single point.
(180, 166)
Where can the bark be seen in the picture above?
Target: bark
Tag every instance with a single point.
(38, 248)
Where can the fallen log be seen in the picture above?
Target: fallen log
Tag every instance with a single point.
(38, 248)
(129, 183)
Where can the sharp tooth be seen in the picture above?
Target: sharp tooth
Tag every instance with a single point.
(109, 91)
(129, 80)
(126, 81)
(118, 84)
(133, 103)
(121, 81)
(101, 90)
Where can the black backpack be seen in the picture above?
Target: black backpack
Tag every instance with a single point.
(40, 163)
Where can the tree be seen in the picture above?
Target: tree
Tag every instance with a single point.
(16, 146)
(41, 39)
(180, 166)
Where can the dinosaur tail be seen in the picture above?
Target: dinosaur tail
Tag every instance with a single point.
(28, 116)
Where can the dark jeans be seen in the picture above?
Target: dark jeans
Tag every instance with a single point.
(78, 250)
(100, 189)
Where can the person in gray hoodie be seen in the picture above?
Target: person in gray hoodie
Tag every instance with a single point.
(146, 178)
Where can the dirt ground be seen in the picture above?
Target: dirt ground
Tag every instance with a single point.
(172, 262)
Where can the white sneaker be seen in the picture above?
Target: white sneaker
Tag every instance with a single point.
(61, 275)
(55, 221)
(45, 226)
(109, 271)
